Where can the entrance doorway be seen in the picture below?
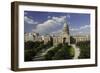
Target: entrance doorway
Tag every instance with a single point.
(64, 40)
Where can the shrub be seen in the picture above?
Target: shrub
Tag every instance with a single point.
(84, 49)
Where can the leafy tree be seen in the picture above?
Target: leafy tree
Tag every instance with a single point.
(29, 55)
(84, 49)
(29, 45)
(64, 52)
(72, 40)
(49, 55)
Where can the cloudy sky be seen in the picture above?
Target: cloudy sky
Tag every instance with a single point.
(52, 22)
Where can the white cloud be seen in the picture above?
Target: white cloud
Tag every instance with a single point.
(68, 16)
(85, 27)
(73, 29)
(56, 32)
(49, 17)
(59, 19)
(50, 25)
(80, 28)
(29, 20)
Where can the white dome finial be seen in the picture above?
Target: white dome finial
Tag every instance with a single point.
(65, 25)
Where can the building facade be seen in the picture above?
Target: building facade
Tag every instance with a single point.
(63, 37)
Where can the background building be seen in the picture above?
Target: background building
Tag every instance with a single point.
(63, 37)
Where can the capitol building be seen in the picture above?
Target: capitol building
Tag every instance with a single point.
(63, 37)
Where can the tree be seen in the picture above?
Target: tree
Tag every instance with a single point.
(28, 55)
(84, 49)
(72, 40)
(29, 45)
(66, 52)
(49, 55)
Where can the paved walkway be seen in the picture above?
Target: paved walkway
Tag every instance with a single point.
(40, 55)
(77, 51)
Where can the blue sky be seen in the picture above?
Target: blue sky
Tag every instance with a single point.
(52, 22)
